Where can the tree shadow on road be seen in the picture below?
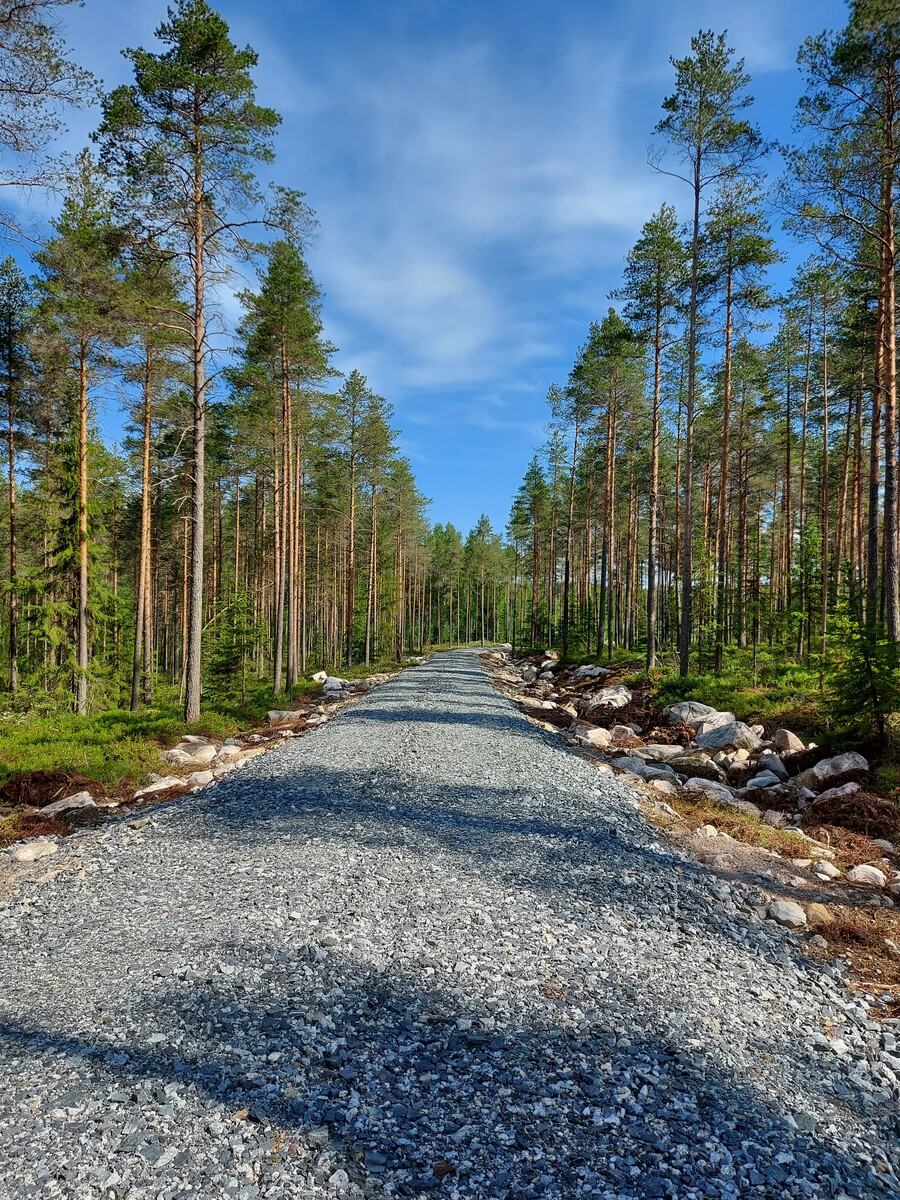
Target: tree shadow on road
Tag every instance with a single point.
(411, 1080)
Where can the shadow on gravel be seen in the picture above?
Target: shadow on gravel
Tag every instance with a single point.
(430, 1088)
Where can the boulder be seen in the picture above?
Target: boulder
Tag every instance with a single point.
(529, 675)
(599, 739)
(200, 779)
(588, 672)
(176, 757)
(765, 779)
(685, 712)
(867, 874)
(775, 817)
(735, 733)
(786, 742)
(831, 772)
(79, 800)
(203, 755)
(194, 739)
(33, 851)
(334, 684)
(716, 791)
(616, 696)
(657, 752)
(769, 761)
(665, 786)
(713, 721)
(708, 831)
(697, 766)
(276, 715)
(319, 677)
(838, 793)
(787, 913)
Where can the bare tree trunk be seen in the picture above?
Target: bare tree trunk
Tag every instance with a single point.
(193, 674)
(82, 648)
(141, 615)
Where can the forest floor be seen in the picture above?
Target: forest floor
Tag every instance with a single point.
(424, 950)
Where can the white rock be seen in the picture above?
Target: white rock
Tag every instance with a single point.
(334, 684)
(786, 912)
(79, 800)
(599, 739)
(867, 874)
(616, 696)
(160, 785)
(176, 757)
(735, 733)
(685, 712)
(194, 739)
(32, 851)
(713, 721)
(827, 870)
(319, 677)
(199, 778)
(275, 715)
(658, 752)
(588, 672)
(708, 831)
(885, 844)
(203, 755)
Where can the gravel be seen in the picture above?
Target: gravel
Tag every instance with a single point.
(423, 951)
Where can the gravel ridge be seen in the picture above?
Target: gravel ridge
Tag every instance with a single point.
(425, 950)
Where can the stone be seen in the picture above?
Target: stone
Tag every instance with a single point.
(826, 870)
(657, 752)
(883, 843)
(831, 772)
(765, 779)
(588, 672)
(735, 733)
(838, 793)
(79, 800)
(818, 914)
(787, 913)
(599, 739)
(276, 715)
(203, 755)
(616, 696)
(665, 786)
(775, 817)
(33, 851)
(697, 766)
(160, 785)
(685, 712)
(199, 779)
(717, 791)
(713, 721)
(334, 684)
(621, 733)
(769, 761)
(786, 742)
(176, 757)
(708, 831)
(867, 874)
(319, 677)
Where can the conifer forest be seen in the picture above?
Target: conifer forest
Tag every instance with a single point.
(720, 472)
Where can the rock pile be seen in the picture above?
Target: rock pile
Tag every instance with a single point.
(692, 747)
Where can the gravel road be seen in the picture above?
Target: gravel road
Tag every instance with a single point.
(423, 951)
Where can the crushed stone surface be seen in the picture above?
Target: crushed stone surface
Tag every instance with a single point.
(423, 951)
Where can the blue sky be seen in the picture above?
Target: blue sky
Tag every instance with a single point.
(479, 171)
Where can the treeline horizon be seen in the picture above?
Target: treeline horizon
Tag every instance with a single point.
(721, 470)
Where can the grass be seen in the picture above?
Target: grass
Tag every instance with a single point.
(699, 809)
(112, 747)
